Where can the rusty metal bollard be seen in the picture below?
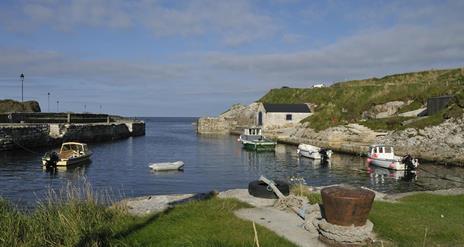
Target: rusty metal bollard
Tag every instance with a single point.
(346, 206)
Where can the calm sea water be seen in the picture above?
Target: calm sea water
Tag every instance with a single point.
(211, 163)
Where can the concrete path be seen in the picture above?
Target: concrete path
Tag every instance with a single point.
(285, 224)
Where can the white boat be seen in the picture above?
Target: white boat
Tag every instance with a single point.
(384, 156)
(70, 153)
(167, 166)
(313, 152)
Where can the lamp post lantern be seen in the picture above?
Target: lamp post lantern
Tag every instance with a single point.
(22, 87)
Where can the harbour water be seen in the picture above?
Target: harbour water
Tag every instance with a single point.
(211, 163)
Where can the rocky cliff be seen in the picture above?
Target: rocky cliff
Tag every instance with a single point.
(8, 106)
(236, 117)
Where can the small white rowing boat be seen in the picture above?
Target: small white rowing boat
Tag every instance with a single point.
(167, 166)
(313, 152)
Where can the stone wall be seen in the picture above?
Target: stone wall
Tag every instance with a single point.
(136, 128)
(14, 136)
(47, 117)
(278, 119)
(11, 136)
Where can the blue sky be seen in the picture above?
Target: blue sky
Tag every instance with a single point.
(196, 58)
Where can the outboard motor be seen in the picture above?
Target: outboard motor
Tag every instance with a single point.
(51, 159)
(409, 162)
(324, 153)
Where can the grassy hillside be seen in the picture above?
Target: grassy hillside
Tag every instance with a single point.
(344, 102)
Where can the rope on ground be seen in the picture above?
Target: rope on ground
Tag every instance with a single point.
(290, 201)
(256, 235)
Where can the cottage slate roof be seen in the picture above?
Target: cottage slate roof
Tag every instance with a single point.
(297, 108)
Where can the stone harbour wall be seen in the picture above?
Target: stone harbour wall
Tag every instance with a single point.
(11, 136)
(16, 136)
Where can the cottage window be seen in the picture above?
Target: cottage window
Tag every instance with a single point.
(288, 117)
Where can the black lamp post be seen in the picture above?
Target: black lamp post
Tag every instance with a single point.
(48, 106)
(57, 106)
(22, 87)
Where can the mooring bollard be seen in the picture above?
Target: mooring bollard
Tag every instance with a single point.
(346, 206)
(345, 213)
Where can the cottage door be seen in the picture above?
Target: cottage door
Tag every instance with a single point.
(260, 119)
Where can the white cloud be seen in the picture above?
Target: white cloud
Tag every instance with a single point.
(397, 49)
(235, 22)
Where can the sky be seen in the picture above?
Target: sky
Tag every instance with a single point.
(197, 58)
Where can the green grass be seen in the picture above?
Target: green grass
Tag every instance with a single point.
(74, 221)
(81, 218)
(345, 102)
(201, 223)
(416, 104)
(302, 190)
(406, 222)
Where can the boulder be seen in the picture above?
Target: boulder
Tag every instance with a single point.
(384, 110)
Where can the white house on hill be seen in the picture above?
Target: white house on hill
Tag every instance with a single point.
(280, 115)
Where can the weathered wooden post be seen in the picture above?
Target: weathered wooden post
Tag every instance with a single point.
(69, 118)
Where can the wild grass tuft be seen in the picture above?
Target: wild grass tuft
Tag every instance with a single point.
(73, 216)
(303, 190)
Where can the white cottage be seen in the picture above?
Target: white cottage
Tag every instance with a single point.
(279, 115)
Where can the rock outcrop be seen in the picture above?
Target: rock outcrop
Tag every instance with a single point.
(384, 110)
(443, 142)
(9, 106)
(237, 116)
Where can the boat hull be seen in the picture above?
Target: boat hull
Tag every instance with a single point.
(388, 164)
(313, 152)
(259, 146)
(70, 161)
(315, 155)
(167, 166)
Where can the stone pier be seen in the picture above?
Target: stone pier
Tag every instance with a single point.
(18, 135)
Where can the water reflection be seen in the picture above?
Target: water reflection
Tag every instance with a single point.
(57, 172)
(379, 175)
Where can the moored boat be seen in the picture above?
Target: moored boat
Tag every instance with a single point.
(313, 152)
(70, 153)
(252, 139)
(167, 166)
(384, 156)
